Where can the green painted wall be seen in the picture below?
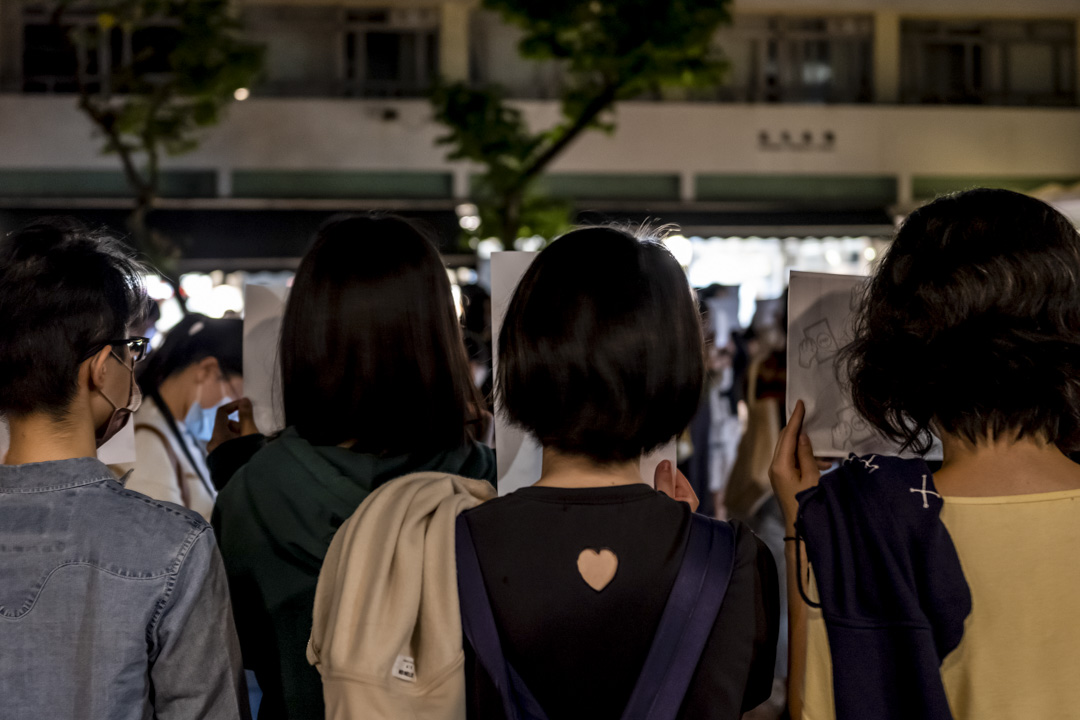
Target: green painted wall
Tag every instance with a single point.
(101, 183)
(340, 184)
(876, 190)
(611, 186)
(605, 186)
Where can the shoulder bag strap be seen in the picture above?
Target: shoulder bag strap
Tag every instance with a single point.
(174, 428)
(686, 623)
(478, 624)
(177, 467)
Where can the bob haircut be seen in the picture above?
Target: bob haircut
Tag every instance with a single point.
(65, 292)
(972, 323)
(601, 353)
(371, 349)
(195, 338)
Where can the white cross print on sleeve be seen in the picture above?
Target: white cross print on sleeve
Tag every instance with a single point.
(925, 493)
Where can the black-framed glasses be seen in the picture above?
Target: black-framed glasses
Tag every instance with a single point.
(138, 346)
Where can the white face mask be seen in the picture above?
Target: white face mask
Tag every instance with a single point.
(121, 413)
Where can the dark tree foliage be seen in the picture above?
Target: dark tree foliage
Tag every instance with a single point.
(609, 51)
(174, 67)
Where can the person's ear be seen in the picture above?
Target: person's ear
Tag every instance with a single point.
(206, 369)
(668, 480)
(99, 367)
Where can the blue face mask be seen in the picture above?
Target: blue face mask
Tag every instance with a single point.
(200, 421)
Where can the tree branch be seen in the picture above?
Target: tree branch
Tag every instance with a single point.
(596, 105)
(108, 126)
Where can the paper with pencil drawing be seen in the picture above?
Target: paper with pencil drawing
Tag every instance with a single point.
(821, 314)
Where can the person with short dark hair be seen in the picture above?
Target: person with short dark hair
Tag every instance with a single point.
(198, 369)
(376, 385)
(112, 605)
(601, 360)
(963, 581)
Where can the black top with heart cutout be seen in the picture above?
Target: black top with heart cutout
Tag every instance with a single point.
(580, 651)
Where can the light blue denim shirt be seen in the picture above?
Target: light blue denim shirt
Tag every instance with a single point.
(113, 606)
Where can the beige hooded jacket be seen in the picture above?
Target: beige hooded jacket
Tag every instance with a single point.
(386, 636)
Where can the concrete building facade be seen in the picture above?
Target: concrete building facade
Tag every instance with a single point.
(835, 112)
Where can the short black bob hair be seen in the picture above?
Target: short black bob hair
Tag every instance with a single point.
(972, 324)
(193, 339)
(600, 352)
(65, 292)
(371, 349)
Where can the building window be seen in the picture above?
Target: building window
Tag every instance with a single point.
(991, 62)
(391, 52)
(495, 59)
(56, 54)
(304, 49)
(789, 58)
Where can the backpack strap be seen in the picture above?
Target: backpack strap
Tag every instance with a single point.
(478, 624)
(173, 460)
(686, 623)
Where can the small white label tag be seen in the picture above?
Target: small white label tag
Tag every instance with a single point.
(404, 669)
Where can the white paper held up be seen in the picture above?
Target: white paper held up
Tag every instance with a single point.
(264, 308)
(821, 316)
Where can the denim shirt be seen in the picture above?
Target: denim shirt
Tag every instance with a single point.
(113, 606)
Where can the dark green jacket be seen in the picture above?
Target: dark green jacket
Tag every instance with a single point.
(274, 522)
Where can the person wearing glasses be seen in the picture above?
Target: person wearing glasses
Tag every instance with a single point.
(197, 369)
(112, 605)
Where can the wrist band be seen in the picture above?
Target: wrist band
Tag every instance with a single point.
(790, 538)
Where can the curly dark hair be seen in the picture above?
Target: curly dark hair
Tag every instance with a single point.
(972, 323)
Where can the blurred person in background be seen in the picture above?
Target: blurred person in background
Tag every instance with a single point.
(748, 490)
(113, 606)
(376, 385)
(196, 370)
(949, 594)
(476, 320)
(480, 366)
(715, 429)
(148, 324)
(693, 444)
(727, 363)
(749, 496)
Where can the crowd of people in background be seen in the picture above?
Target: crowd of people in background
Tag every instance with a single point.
(359, 564)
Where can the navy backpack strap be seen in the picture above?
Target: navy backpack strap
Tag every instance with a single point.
(478, 624)
(686, 623)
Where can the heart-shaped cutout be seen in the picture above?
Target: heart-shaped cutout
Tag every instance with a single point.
(597, 567)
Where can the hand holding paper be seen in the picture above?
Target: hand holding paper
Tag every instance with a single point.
(793, 467)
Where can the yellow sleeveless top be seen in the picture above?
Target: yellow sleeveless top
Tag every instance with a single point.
(1020, 654)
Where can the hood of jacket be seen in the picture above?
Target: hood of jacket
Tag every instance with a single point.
(299, 494)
